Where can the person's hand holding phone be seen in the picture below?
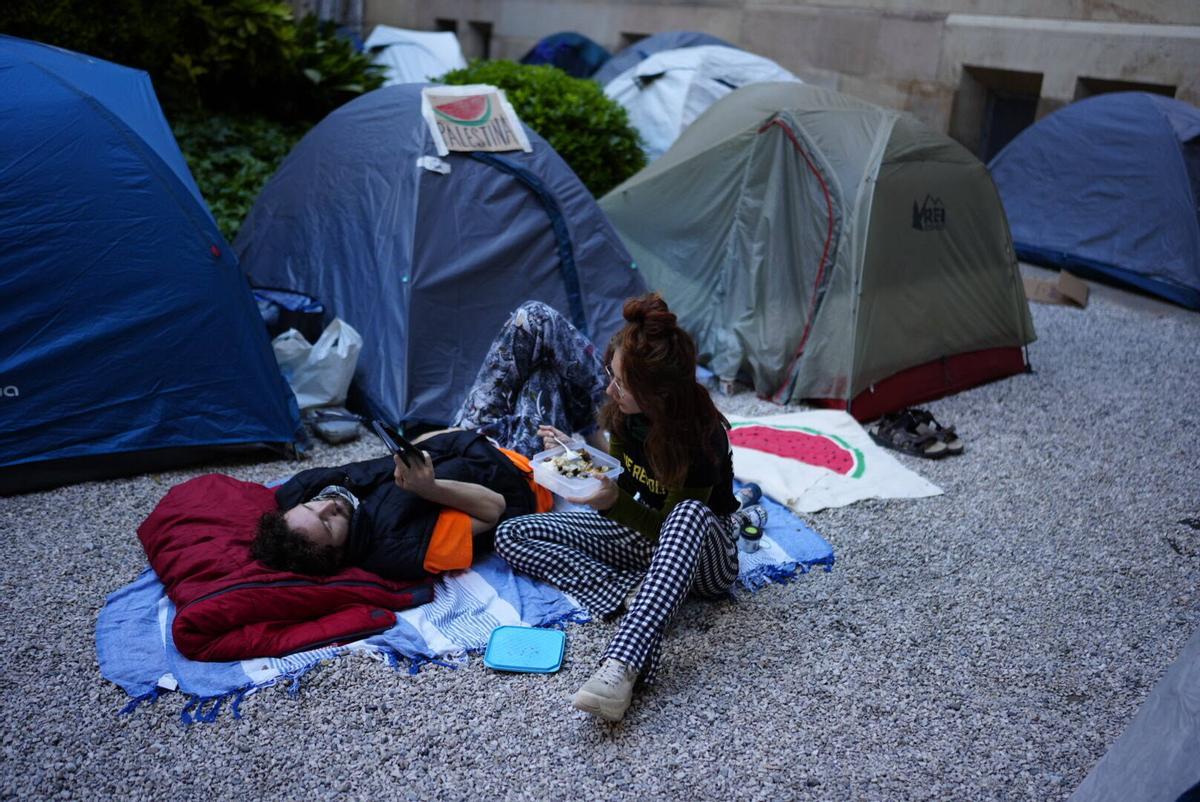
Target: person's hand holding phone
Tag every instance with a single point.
(417, 477)
(397, 444)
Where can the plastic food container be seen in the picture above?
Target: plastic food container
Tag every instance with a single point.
(545, 474)
(750, 538)
(525, 649)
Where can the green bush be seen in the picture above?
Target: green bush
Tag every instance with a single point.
(232, 158)
(333, 70)
(252, 56)
(204, 56)
(238, 52)
(136, 33)
(590, 131)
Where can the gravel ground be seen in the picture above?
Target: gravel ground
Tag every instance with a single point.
(990, 643)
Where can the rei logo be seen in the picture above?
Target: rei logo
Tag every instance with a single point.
(930, 215)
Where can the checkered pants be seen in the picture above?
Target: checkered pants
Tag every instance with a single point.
(599, 561)
(539, 369)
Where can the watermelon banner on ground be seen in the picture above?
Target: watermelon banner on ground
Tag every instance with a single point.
(809, 461)
(474, 117)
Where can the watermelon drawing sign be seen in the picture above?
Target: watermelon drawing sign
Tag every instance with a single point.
(467, 118)
(810, 446)
(816, 459)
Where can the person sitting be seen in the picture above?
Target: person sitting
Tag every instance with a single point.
(668, 525)
(406, 522)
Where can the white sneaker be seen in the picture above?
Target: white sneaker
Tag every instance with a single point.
(608, 693)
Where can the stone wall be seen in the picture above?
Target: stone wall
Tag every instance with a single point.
(951, 63)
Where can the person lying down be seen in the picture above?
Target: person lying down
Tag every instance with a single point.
(406, 522)
(398, 521)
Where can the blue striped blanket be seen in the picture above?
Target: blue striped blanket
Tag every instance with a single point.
(135, 649)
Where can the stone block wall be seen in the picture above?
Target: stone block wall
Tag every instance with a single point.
(948, 62)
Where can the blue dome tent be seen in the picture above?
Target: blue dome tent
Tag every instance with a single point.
(645, 48)
(426, 258)
(130, 335)
(573, 53)
(1108, 188)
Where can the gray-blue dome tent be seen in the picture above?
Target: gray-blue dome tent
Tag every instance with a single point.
(425, 265)
(1108, 188)
(130, 338)
(644, 48)
(573, 53)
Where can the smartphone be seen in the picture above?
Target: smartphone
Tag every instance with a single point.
(396, 443)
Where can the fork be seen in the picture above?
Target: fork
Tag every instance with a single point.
(568, 452)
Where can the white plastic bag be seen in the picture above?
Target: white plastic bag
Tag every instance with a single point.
(319, 374)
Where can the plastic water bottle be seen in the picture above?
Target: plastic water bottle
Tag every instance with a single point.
(748, 496)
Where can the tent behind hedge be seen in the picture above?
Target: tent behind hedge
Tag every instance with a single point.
(409, 56)
(644, 48)
(667, 91)
(573, 53)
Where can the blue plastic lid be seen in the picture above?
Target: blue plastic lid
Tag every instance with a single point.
(528, 649)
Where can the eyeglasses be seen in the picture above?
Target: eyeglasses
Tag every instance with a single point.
(615, 381)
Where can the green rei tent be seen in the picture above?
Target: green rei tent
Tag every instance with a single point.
(829, 250)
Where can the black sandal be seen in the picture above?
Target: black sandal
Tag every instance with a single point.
(898, 431)
(927, 424)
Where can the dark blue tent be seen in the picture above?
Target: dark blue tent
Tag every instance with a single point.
(128, 328)
(573, 53)
(644, 48)
(1108, 187)
(427, 258)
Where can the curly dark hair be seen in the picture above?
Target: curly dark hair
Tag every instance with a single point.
(285, 549)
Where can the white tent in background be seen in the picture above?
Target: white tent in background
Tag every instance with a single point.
(668, 90)
(414, 56)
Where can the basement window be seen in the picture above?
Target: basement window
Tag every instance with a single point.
(478, 42)
(992, 106)
(628, 39)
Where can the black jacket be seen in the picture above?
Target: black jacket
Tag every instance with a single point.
(391, 528)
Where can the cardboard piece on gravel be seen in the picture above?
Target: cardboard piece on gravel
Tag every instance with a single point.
(1067, 291)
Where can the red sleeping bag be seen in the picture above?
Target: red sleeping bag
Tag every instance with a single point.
(229, 606)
